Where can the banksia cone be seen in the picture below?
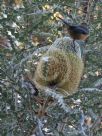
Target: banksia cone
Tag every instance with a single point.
(61, 66)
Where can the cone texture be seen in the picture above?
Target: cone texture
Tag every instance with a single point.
(61, 66)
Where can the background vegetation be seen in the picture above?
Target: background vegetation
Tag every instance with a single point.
(31, 27)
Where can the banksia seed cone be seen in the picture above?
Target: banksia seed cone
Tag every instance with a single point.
(61, 66)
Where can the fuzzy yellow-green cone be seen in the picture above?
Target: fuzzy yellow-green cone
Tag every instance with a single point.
(61, 66)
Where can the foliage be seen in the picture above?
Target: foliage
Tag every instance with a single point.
(31, 25)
